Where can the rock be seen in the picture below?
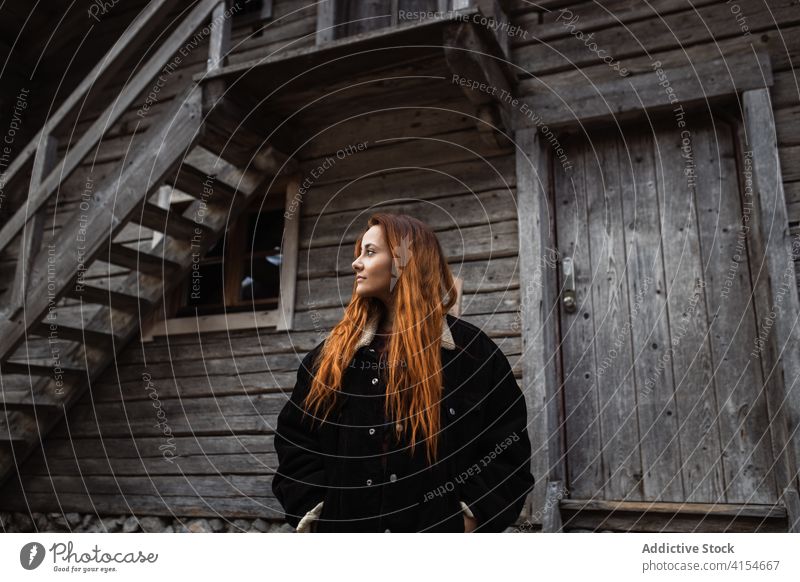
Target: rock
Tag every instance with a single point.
(217, 524)
(41, 521)
(199, 526)
(261, 525)
(239, 526)
(111, 524)
(169, 529)
(58, 522)
(152, 524)
(73, 519)
(282, 528)
(130, 525)
(24, 522)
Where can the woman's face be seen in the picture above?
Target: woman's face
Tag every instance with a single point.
(373, 267)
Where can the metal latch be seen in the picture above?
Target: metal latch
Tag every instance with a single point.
(568, 298)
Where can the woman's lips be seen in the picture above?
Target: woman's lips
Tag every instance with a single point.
(360, 278)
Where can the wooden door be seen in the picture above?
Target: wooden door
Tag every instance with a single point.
(663, 397)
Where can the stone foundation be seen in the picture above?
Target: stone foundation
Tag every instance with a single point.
(89, 523)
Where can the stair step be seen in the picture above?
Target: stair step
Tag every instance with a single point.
(171, 223)
(113, 299)
(25, 369)
(22, 403)
(74, 334)
(138, 261)
(203, 186)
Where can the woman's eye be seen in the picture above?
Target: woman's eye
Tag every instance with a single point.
(370, 252)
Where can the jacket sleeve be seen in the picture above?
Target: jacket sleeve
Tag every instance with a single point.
(299, 482)
(495, 491)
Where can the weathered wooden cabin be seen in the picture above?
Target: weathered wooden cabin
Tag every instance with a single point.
(615, 184)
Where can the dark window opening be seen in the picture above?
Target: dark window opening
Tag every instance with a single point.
(242, 271)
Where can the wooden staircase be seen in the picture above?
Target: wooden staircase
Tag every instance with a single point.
(182, 149)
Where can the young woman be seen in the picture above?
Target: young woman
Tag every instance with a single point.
(405, 418)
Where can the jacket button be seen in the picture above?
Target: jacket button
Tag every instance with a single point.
(369, 481)
(371, 350)
(387, 530)
(372, 431)
(452, 411)
(374, 380)
(392, 477)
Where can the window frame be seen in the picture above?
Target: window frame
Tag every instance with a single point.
(262, 313)
(234, 251)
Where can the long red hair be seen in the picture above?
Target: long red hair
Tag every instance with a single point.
(423, 294)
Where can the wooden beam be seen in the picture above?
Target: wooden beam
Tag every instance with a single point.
(551, 516)
(791, 501)
(171, 223)
(14, 440)
(290, 249)
(537, 324)
(494, 11)
(73, 334)
(657, 89)
(483, 77)
(211, 323)
(106, 297)
(761, 140)
(202, 186)
(145, 263)
(266, 10)
(219, 43)
(28, 407)
(28, 369)
(94, 134)
(732, 509)
(326, 21)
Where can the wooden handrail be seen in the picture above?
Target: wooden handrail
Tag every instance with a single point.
(106, 120)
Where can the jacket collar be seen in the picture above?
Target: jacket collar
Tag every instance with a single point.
(372, 326)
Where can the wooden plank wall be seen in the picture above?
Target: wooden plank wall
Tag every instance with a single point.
(219, 394)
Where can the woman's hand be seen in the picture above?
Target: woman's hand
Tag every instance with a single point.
(470, 523)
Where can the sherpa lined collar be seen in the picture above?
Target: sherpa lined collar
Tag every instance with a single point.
(372, 326)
